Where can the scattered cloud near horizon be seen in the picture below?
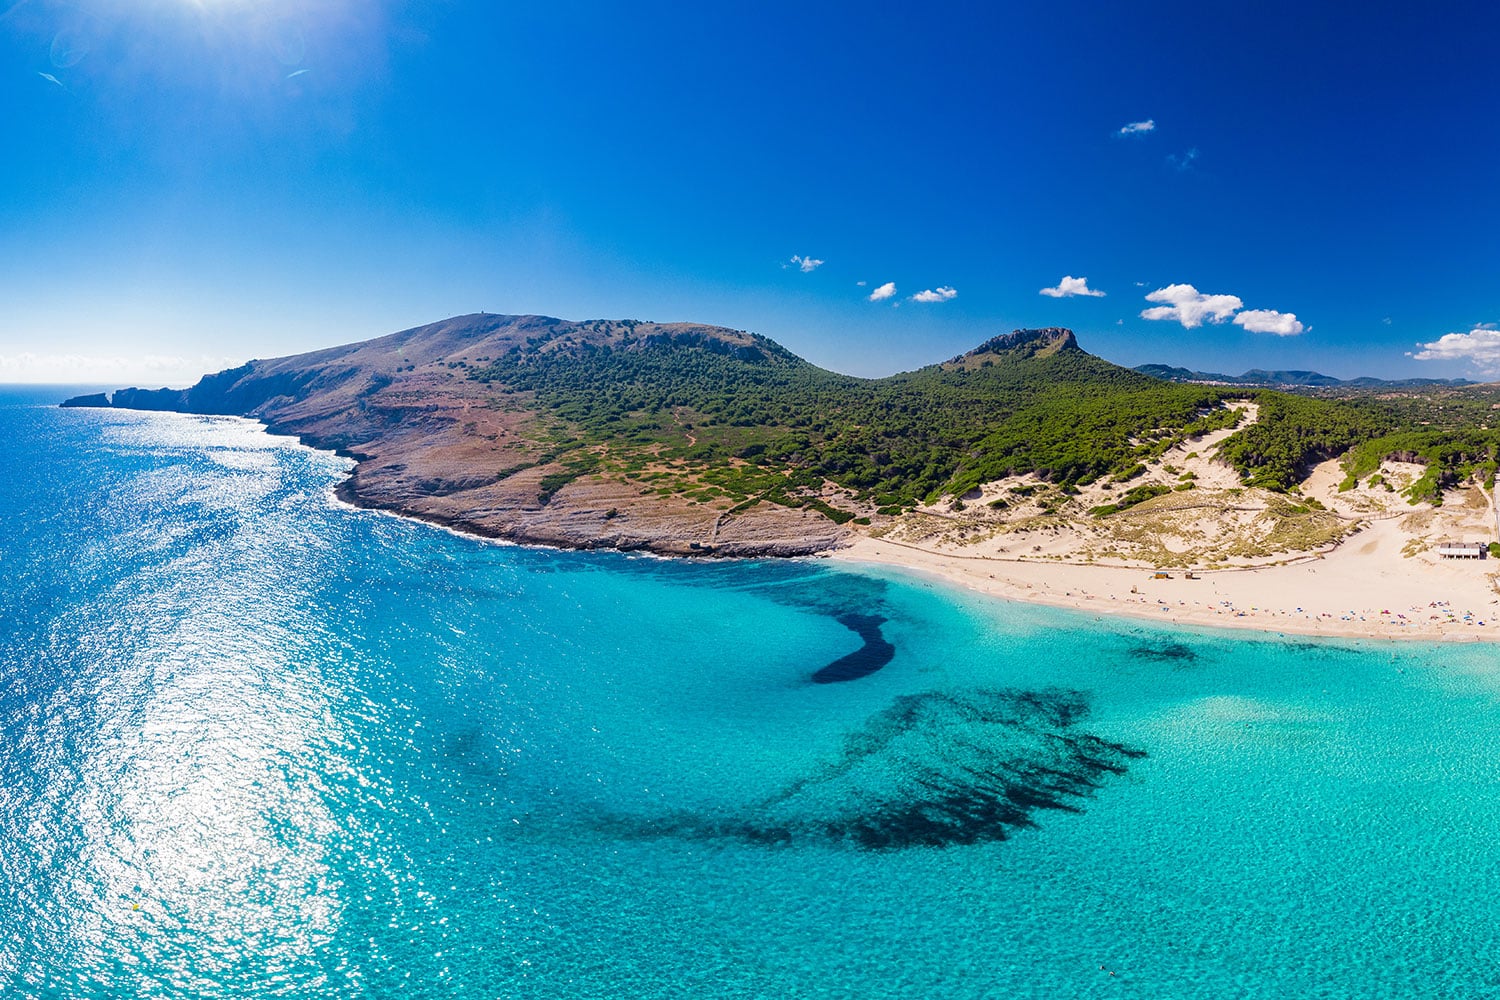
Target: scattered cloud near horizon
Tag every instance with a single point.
(1183, 161)
(1270, 321)
(152, 369)
(1190, 307)
(806, 265)
(1480, 347)
(885, 291)
(1070, 286)
(1138, 128)
(941, 293)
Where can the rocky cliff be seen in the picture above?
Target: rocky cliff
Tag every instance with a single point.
(435, 443)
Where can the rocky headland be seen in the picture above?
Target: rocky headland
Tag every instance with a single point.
(433, 442)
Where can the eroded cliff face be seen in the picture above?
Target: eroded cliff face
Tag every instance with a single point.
(433, 443)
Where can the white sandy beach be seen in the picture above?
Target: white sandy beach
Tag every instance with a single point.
(1368, 567)
(1366, 588)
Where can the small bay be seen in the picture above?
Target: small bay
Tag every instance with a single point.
(256, 743)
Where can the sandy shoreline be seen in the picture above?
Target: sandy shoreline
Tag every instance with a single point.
(1349, 593)
(1363, 590)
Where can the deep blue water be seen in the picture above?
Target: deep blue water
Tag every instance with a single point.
(253, 743)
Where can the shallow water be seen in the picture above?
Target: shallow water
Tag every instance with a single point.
(253, 743)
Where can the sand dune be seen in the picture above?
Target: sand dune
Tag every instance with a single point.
(1357, 591)
(1327, 560)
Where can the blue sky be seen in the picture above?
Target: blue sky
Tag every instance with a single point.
(190, 183)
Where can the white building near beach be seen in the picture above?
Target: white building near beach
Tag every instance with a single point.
(1462, 550)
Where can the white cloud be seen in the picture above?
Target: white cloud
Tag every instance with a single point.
(1138, 128)
(1270, 321)
(940, 294)
(861, 284)
(1070, 286)
(806, 264)
(1183, 161)
(885, 291)
(1480, 347)
(1190, 307)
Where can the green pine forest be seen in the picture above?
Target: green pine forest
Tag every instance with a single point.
(742, 418)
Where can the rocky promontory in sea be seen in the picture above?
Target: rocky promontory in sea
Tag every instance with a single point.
(435, 442)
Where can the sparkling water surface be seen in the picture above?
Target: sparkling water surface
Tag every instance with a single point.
(254, 743)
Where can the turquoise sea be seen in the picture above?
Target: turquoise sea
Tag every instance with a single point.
(254, 744)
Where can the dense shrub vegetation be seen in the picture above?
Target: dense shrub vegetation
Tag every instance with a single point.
(751, 421)
(1292, 434)
(754, 415)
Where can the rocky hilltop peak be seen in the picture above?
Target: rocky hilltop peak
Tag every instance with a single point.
(562, 338)
(1025, 343)
(1019, 345)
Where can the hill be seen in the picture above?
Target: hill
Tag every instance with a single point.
(1292, 379)
(685, 438)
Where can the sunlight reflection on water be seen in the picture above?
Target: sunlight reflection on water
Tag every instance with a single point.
(187, 747)
(256, 744)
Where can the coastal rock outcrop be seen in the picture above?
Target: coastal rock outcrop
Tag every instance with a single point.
(436, 443)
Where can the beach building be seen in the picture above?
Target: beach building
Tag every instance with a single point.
(1450, 549)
